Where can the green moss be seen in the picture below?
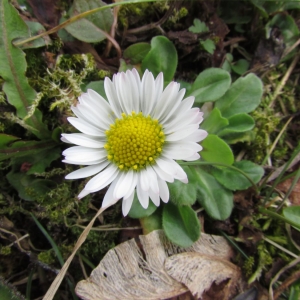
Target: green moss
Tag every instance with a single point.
(47, 257)
(4, 250)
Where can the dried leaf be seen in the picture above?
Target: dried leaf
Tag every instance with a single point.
(125, 273)
(198, 272)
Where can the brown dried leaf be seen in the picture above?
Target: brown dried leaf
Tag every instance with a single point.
(198, 272)
(124, 273)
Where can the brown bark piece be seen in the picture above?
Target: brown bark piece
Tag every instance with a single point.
(125, 273)
(199, 272)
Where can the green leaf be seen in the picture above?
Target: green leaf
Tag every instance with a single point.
(183, 193)
(97, 86)
(198, 27)
(90, 29)
(152, 222)
(215, 199)
(136, 52)
(181, 224)
(238, 123)
(214, 122)
(208, 45)
(292, 213)
(35, 29)
(137, 211)
(215, 150)
(161, 58)
(13, 66)
(234, 180)
(236, 137)
(240, 67)
(11, 147)
(243, 96)
(29, 188)
(210, 85)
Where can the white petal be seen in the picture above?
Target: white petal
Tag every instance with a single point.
(166, 100)
(183, 108)
(184, 145)
(103, 179)
(93, 117)
(166, 166)
(193, 116)
(143, 178)
(82, 154)
(85, 127)
(126, 204)
(123, 89)
(108, 198)
(82, 139)
(133, 185)
(87, 163)
(142, 195)
(159, 86)
(148, 93)
(178, 153)
(98, 101)
(83, 193)
(174, 166)
(123, 184)
(172, 107)
(112, 97)
(162, 174)
(135, 89)
(152, 178)
(163, 190)
(181, 134)
(154, 197)
(87, 171)
(193, 157)
(196, 136)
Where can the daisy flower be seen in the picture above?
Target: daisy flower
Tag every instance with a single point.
(131, 141)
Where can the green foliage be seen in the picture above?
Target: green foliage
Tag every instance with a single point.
(161, 58)
(292, 213)
(90, 29)
(19, 93)
(9, 292)
(198, 27)
(137, 211)
(136, 52)
(210, 85)
(215, 150)
(181, 224)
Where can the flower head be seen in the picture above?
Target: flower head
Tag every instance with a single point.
(131, 141)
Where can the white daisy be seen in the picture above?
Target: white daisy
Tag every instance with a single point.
(132, 140)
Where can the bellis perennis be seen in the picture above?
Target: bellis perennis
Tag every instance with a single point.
(131, 141)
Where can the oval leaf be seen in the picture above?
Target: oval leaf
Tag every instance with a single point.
(238, 123)
(136, 52)
(243, 96)
(90, 29)
(161, 58)
(181, 224)
(292, 213)
(184, 193)
(137, 211)
(210, 85)
(215, 150)
(216, 200)
(234, 180)
(214, 122)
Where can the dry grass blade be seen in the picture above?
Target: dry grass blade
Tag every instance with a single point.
(60, 276)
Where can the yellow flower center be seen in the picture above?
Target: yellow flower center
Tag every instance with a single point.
(134, 141)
